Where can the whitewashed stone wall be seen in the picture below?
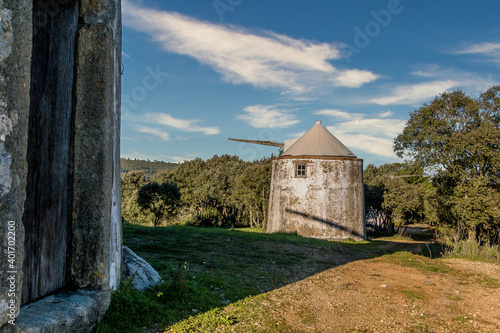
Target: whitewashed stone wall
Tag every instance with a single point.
(327, 204)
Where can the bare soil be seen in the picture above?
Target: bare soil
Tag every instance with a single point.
(401, 292)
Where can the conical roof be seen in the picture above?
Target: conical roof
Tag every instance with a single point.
(318, 141)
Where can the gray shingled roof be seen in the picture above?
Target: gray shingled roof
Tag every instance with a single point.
(318, 141)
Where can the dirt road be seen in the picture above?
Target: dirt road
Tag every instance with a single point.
(400, 292)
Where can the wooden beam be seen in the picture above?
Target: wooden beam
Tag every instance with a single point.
(259, 142)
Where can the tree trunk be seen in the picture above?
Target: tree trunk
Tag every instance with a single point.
(472, 234)
(390, 227)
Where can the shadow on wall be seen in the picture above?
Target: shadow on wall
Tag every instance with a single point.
(353, 232)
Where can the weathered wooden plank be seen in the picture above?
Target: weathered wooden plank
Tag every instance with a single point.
(46, 216)
(261, 142)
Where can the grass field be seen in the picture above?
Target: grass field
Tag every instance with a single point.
(219, 278)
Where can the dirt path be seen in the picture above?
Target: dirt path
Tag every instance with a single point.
(395, 293)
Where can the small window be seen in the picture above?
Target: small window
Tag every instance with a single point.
(300, 170)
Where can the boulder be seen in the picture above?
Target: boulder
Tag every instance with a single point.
(144, 275)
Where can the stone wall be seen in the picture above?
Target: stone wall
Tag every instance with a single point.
(327, 204)
(96, 167)
(83, 99)
(15, 64)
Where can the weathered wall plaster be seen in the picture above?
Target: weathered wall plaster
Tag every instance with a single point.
(327, 204)
(5, 158)
(6, 41)
(15, 62)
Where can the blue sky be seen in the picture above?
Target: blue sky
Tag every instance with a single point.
(200, 71)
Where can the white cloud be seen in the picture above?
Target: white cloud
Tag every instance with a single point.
(160, 120)
(490, 50)
(335, 113)
(367, 143)
(182, 138)
(153, 131)
(185, 125)
(126, 55)
(415, 93)
(268, 116)
(266, 60)
(296, 135)
(374, 135)
(442, 79)
(375, 126)
(385, 114)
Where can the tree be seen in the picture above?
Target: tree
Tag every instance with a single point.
(389, 198)
(252, 192)
(159, 199)
(459, 137)
(374, 186)
(209, 188)
(131, 182)
(455, 134)
(404, 201)
(476, 206)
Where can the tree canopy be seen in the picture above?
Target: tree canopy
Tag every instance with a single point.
(459, 137)
(159, 199)
(455, 134)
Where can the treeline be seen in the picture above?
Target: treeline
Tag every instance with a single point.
(149, 167)
(221, 191)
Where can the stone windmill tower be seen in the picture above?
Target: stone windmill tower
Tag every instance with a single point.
(316, 188)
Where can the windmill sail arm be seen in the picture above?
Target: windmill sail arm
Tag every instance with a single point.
(260, 142)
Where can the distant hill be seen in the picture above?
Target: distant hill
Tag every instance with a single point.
(149, 167)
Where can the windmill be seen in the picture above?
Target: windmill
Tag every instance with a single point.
(316, 187)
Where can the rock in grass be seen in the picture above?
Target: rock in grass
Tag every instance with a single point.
(143, 275)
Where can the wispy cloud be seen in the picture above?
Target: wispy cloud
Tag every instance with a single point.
(491, 51)
(385, 114)
(415, 93)
(154, 124)
(265, 59)
(185, 125)
(153, 131)
(374, 135)
(335, 113)
(268, 116)
(126, 55)
(442, 79)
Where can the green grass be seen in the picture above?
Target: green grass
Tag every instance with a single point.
(251, 314)
(420, 263)
(412, 294)
(471, 250)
